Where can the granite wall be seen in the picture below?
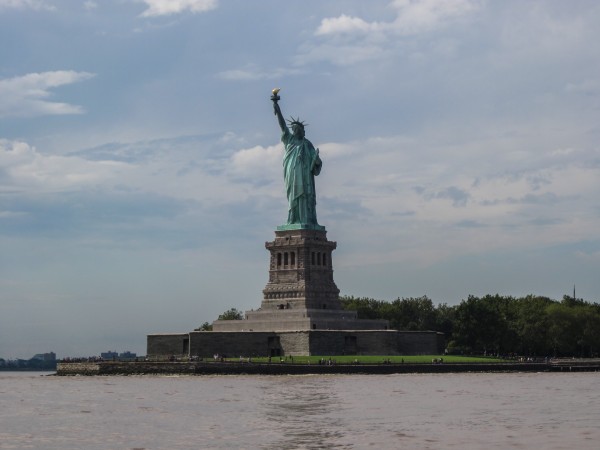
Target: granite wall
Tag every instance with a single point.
(78, 368)
(176, 344)
(205, 344)
(234, 343)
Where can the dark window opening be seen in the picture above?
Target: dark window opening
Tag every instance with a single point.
(274, 346)
(285, 259)
(312, 258)
(324, 259)
(278, 259)
(350, 345)
(293, 258)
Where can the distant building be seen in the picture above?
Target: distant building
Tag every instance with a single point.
(113, 355)
(44, 357)
(109, 355)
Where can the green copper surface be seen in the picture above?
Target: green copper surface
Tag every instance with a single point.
(301, 164)
(300, 226)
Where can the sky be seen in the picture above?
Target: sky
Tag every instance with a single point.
(141, 163)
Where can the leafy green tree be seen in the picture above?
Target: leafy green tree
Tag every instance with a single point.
(445, 319)
(415, 314)
(567, 300)
(532, 325)
(471, 320)
(589, 316)
(367, 308)
(486, 324)
(231, 314)
(404, 314)
(562, 329)
(204, 327)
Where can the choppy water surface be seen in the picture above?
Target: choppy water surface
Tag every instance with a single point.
(466, 411)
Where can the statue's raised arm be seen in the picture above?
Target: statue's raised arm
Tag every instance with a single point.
(275, 98)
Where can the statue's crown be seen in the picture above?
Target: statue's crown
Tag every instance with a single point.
(297, 121)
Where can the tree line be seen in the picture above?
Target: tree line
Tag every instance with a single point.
(495, 324)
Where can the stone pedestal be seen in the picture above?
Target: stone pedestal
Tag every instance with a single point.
(300, 293)
(301, 272)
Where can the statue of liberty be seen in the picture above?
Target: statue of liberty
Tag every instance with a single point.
(301, 163)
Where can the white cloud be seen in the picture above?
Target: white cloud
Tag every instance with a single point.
(258, 162)
(346, 40)
(25, 96)
(12, 214)
(168, 7)
(412, 17)
(26, 170)
(345, 24)
(341, 54)
(192, 169)
(588, 87)
(89, 5)
(252, 73)
(25, 4)
(442, 200)
(416, 16)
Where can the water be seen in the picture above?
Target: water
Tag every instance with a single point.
(462, 411)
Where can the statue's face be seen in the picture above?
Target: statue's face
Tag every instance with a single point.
(298, 131)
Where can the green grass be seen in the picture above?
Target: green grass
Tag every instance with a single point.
(349, 359)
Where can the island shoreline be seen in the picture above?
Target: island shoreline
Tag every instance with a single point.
(277, 368)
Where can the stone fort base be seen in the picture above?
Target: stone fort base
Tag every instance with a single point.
(206, 344)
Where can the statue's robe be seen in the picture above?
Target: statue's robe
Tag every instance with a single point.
(301, 164)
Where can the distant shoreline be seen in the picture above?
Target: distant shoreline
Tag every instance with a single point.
(276, 368)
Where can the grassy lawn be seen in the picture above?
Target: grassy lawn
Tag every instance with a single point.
(349, 359)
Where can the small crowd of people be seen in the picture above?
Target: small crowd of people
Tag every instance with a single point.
(327, 362)
(82, 359)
